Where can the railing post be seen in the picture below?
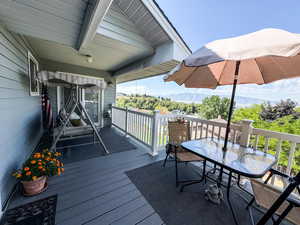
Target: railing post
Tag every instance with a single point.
(154, 132)
(126, 121)
(246, 131)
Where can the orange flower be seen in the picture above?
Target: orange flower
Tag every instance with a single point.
(34, 178)
(40, 167)
(33, 161)
(47, 159)
(19, 175)
(26, 168)
(37, 155)
(39, 163)
(28, 173)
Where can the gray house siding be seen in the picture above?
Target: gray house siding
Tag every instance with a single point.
(20, 114)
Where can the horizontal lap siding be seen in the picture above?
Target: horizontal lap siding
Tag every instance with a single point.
(20, 114)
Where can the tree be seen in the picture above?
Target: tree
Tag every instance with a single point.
(214, 106)
(284, 108)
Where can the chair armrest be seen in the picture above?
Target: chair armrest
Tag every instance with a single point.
(275, 172)
(295, 201)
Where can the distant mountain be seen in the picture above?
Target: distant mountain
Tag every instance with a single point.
(197, 98)
(120, 94)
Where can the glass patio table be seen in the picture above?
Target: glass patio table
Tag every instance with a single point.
(237, 160)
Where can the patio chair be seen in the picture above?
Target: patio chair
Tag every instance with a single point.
(267, 197)
(179, 131)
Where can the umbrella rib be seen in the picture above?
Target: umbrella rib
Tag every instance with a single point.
(189, 75)
(218, 81)
(260, 70)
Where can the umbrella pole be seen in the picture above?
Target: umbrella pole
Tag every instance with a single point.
(231, 104)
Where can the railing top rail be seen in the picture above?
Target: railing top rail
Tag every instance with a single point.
(133, 111)
(119, 108)
(140, 113)
(213, 123)
(277, 135)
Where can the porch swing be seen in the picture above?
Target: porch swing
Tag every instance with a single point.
(76, 83)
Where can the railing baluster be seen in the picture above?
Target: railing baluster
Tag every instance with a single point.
(256, 142)
(196, 132)
(201, 129)
(266, 147)
(277, 156)
(291, 158)
(206, 132)
(213, 131)
(234, 137)
(219, 132)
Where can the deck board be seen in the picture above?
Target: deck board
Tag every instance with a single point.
(97, 191)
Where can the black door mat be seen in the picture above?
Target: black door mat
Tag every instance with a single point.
(40, 212)
(157, 185)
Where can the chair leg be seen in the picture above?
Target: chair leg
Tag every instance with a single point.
(250, 203)
(165, 161)
(248, 207)
(283, 214)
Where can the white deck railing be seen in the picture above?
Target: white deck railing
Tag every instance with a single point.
(152, 130)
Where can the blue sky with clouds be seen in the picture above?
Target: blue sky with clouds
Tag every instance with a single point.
(202, 21)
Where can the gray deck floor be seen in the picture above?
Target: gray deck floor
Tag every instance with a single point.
(97, 191)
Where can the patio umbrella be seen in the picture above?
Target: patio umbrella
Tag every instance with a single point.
(256, 58)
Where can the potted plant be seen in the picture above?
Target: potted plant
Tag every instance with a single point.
(35, 171)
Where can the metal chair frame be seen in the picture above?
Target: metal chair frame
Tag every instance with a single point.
(293, 185)
(173, 148)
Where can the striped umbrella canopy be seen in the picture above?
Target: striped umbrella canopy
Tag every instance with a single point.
(256, 58)
(69, 79)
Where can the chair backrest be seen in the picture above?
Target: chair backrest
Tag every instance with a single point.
(179, 131)
(266, 195)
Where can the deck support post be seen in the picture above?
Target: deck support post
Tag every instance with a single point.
(154, 133)
(246, 130)
(126, 121)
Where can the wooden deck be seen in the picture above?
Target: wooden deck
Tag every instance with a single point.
(97, 191)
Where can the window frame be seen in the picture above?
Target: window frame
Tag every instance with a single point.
(35, 62)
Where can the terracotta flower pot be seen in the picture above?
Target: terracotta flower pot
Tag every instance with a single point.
(35, 186)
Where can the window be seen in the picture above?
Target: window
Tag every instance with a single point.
(91, 101)
(33, 68)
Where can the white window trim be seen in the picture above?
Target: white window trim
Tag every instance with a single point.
(31, 57)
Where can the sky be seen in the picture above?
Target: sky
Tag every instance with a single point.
(203, 21)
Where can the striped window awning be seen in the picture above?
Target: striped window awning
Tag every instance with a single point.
(70, 79)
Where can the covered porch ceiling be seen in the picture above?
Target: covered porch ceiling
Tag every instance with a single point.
(130, 39)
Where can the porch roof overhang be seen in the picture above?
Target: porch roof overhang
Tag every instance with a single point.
(166, 55)
(130, 39)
